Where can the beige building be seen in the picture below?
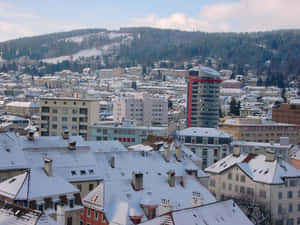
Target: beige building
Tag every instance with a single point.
(255, 130)
(72, 114)
(24, 109)
(261, 181)
(144, 109)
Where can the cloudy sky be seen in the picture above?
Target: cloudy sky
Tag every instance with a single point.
(19, 18)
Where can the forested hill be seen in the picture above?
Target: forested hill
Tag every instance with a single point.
(130, 46)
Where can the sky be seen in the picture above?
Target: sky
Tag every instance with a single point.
(20, 18)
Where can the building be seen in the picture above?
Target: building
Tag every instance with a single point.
(139, 186)
(146, 110)
(127, 133)
(203, 97)
(12, 214)
(228, 213)
(254, 129)
(281, 150)
(287, 113)
(72, 114)
(259, 181)
(24, 109)
(209, 144)
(39, 189)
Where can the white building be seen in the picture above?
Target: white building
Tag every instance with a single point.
(257, 179)
(146, 110)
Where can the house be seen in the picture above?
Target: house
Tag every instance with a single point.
(258, 180)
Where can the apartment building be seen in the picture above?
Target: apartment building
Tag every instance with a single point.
(256, 130)
(146, 110)
(203, 97)
(127, 133)
(209, 144)
(72, 114)
(287, 113)
(259, 181)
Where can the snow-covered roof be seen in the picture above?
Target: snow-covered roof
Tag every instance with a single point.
(256, 167)
(203, 132)
(35, 185)
(260, 144)
(222, 213)
(24, 104)
(16, 215)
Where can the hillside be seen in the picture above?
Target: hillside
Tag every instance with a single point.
(130, 46)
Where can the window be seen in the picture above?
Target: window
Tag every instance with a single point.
(74, 111)
(45, 109)
(54, 110)
(88, 212)
(290, 221)
(250, 191)
(262, 194)
(279, 195)
(279, 210)
(290, 194)
(212, 183)
(236, 188)
(229, 176)
(54, 126)
(79, 187)
(64, 119)
(71, 203)
(65, 111)
(230, 187)
(293, 183)
(290, 207)
(74, 119)
(69, 221)
(298, 208)
(91, 187)
(96, 215)
(298, 220)
(242, 190)
(243, 179)
(237, 177)
(54, 118)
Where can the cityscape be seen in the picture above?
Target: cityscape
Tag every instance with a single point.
(169, 119)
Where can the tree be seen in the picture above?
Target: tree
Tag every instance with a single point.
(235, 107)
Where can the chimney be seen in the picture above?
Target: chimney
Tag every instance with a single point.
(236, 151)
(72, 145)
(60, 215)
(270, 156)
(48, 166)
(171, 178)
(112, 162)
(137, 181)
(30, 135)
(65, 134)
(178, 152)
(284, 140)
(166, 152)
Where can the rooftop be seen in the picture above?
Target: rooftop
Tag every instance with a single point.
(203, 132)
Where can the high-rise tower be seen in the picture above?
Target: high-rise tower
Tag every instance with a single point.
(203, 97)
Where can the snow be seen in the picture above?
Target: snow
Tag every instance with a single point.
(203, 132)
(24, 104)
(257, 168)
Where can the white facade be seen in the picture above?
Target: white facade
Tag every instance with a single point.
(145, 110)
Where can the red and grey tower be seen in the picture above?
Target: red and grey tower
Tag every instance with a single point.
(203, 97)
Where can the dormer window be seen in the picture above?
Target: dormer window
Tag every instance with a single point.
(82, 172)
(73, 172)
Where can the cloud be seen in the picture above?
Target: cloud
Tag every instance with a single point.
(240, 16)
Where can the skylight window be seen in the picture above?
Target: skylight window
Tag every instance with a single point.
(12, 180)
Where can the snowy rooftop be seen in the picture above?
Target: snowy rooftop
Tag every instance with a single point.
(257, 168)
(203, 132)
(40, 186)
(16, 215)
(24, 104)
(260, 144)
(228, 213)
